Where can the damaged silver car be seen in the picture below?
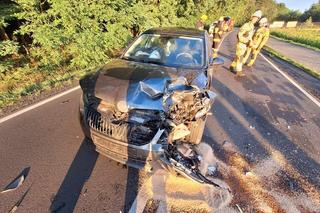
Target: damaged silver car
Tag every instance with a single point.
(152, 102)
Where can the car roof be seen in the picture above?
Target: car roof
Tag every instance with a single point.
(181, 31)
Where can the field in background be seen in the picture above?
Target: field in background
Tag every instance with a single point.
(305, 36)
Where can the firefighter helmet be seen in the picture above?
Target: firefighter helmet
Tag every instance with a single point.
(204, 18)
(263, 22)
(258, 14)
(227, 18)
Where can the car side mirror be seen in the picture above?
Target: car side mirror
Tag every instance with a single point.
(216, 61)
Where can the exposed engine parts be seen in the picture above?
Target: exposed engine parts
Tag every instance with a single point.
(173, 126)
(183, 106)
(183, 159)
(187, 106)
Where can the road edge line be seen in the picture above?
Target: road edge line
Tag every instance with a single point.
(313, 99)
(307, 70)
(15, 114)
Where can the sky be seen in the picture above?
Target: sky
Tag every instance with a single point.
(301, 5)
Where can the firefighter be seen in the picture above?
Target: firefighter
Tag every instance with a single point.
(244, 40)
(200, 23)
(216, 31)
(231, 24)
(259, 39)
(226, 24)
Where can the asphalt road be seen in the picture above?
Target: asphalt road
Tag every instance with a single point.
(300, 54)
(263, 128)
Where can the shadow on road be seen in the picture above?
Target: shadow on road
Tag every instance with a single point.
(231, 119)
(79, 172)
(131, 188)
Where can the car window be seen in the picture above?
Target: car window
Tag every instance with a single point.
(167, 50)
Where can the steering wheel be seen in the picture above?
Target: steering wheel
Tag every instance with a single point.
(187, 56)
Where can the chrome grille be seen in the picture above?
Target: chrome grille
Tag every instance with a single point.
(101, 124)
(124, 132)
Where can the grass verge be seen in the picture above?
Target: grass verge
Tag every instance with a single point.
(309, 37)
(27, 82)
(274, 53)
(296, 43)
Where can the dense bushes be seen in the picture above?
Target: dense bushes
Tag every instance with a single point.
(81, 33)
(59, 40)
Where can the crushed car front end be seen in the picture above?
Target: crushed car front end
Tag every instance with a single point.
(136, 125)
(152, 104)
(129, 138)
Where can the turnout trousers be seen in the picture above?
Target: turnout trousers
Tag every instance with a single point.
(252, 54)
(240, 52)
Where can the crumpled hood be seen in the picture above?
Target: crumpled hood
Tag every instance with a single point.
(131, 85)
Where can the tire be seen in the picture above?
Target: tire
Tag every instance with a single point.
(85, 128)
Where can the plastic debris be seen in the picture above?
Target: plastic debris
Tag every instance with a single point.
(17, 181)
(240, 210)
(153, 93)
(211, 170)
(157, 136)
(248, 174)
(18, 203)
(180, 131)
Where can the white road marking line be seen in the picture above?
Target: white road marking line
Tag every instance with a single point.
(313, 99)
(38, 104)
(223, 39)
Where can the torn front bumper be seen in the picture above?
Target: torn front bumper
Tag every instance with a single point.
(111, 141)
(131, 155)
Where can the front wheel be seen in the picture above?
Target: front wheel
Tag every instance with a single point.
(82, 120)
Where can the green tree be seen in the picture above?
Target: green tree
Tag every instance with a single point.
(313, 12)
(80, 33)
(291, 15)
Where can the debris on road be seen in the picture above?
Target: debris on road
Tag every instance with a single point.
(211, 170)
(240, 210)
(18, 203)
(65, 101)
(171, 192)
(18, 181)
(249, 174)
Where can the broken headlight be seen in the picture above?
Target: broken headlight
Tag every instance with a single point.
(145, 116)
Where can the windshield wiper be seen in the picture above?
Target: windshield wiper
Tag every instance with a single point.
(152, 61)
(142, 60)
(128, 58)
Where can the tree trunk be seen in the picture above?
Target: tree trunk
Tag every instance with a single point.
(3, 34)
